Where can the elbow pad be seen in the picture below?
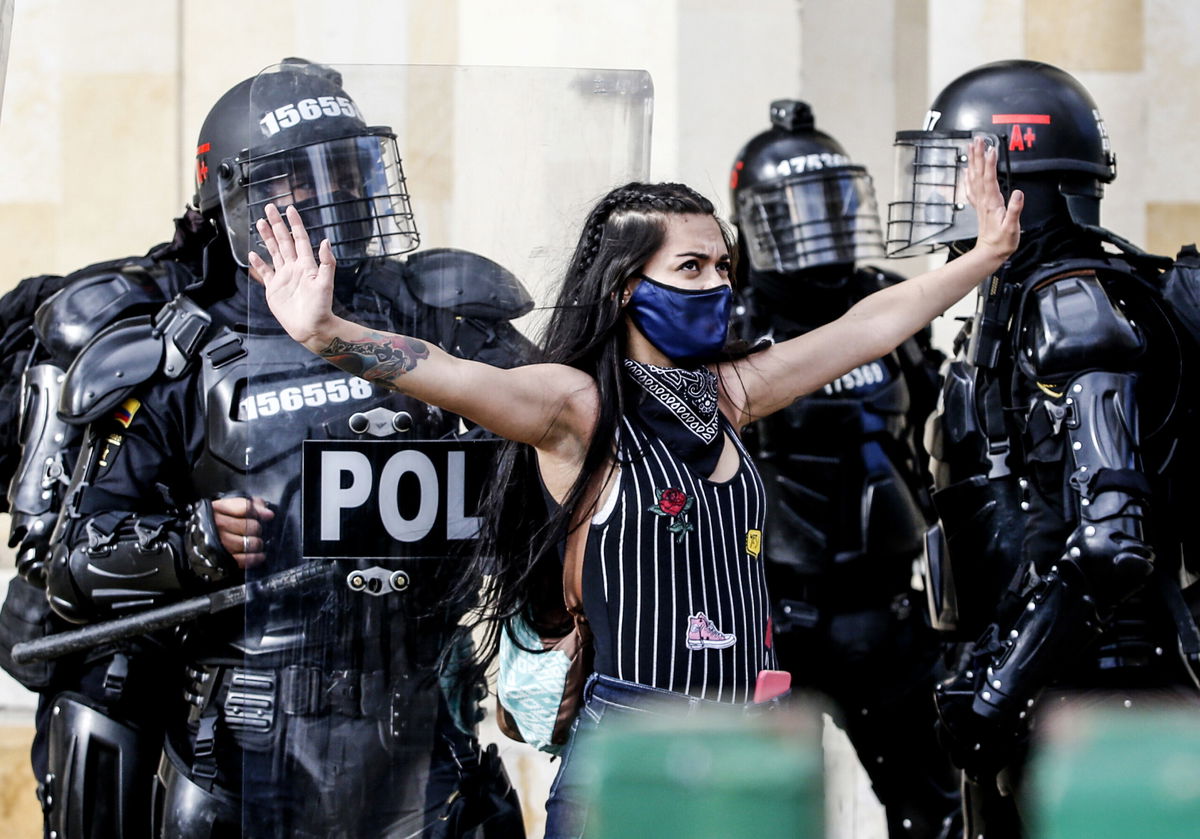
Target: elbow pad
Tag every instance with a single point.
(1109, 488)
(121, 562)
(48, 448)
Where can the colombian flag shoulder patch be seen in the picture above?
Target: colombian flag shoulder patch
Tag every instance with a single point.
(125, 411)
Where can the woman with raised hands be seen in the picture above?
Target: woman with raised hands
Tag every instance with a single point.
(632, 420)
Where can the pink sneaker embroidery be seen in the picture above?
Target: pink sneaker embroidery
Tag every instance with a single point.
(702, 634)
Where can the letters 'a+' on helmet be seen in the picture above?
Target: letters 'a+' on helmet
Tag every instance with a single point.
(1044, 124)
(798, 200)
(292, 135)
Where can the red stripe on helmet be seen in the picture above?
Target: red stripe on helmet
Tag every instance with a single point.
(1017, 119)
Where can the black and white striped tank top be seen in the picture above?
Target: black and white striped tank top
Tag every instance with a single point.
(673, 582)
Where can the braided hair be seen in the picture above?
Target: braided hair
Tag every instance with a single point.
(620, 234)
(517, 567)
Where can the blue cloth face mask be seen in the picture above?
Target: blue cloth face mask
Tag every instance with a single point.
(688, 327)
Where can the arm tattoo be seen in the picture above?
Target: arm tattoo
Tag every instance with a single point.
(376, 357)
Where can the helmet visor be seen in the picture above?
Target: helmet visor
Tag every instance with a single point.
(931, 207)
(811, 219)
(350, 191)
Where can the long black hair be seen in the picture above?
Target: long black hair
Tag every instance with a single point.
(516, 570)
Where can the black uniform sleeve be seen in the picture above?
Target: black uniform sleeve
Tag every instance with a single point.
(122, 543)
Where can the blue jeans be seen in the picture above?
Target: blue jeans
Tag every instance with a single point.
(606, 698)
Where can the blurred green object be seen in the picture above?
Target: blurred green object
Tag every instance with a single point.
(1109, 771)
(711, 776)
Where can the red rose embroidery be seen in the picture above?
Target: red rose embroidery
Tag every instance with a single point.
(674, 503)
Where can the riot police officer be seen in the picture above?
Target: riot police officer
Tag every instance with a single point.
(1056, 448)
(843, 469)
(318, 710)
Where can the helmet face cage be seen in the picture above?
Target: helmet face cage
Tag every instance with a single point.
(930, 207)
(350, 190)
(810, 219)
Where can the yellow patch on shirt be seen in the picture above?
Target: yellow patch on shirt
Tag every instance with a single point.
(753, 542)
(126, 410)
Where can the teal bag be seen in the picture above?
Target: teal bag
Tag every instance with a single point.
(539, 692)
(539, 687)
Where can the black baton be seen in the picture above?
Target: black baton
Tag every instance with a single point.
(64, 643)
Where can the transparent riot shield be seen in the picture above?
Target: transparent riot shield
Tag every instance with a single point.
(452, 198)
(6, 15)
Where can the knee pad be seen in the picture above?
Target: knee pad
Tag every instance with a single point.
(101, 773)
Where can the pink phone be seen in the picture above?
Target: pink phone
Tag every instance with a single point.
(772, 683)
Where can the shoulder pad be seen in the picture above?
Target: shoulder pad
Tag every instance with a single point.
(1069, 324)
(466, 283)
(128, 353)
(102, 294)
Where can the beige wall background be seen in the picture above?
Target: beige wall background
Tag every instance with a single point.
(103, 100)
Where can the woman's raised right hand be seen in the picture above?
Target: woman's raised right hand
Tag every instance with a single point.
(299, 289)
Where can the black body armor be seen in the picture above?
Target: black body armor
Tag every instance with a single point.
(1058, 457)
(296, 709)
(1060, 449)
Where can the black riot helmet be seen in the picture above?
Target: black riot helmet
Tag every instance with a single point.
(798, 200)
(1051, 141)
(293, 136)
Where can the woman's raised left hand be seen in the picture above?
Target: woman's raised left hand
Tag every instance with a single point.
(999, 226)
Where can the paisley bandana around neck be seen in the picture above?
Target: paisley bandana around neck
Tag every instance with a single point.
(680, 407)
